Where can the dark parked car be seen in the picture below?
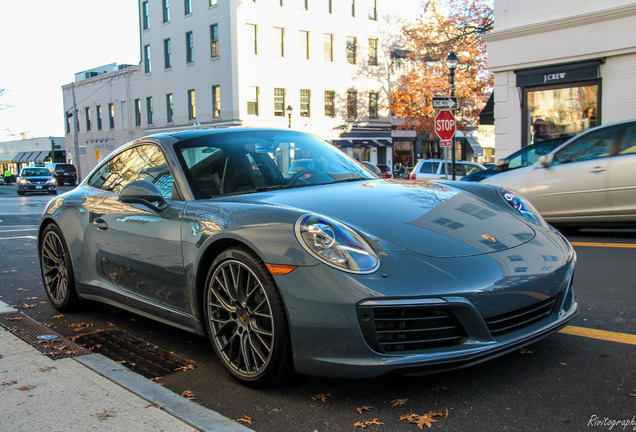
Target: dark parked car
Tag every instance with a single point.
(326, 271)
(36, 179)
(64, 173)
(521, 158)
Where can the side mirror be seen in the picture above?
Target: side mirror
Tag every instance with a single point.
(145, 193)
(502, 162)
(546, 160)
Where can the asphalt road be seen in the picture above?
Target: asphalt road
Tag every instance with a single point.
(564, 382)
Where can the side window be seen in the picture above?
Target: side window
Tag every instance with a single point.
(594, 145)
(629, 141)
(429, 167)
(143, 162)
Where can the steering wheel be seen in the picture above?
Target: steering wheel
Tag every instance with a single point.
(301, 176)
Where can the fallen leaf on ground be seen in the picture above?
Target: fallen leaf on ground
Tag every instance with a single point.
(185, 368)
(360, 425)
(105, 414)
(424, 420)
(47, 369)
(188, 394)
(25, 387)
(322, 397)
(245, 419)
(524, 351)
(399, 402)
(58, 316)
(439, 388)
(26, 306)
(31, 298)
(8, 383)
(363, 408)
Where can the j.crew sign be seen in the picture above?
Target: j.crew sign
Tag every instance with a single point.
(564, 73)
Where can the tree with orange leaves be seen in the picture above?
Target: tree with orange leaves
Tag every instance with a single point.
(454, 26)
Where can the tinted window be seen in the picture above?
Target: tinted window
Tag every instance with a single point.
(144, 162)
(593, 145)
(629, 140)
(529, 155)
(36, 172)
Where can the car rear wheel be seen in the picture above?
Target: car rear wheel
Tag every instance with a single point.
(57, 270)
(246, 320)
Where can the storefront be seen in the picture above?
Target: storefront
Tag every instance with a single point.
(559, 100)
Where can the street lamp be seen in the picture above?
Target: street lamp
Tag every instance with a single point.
(451, 62)
(289, 110)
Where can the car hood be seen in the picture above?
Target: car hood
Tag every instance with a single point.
(425, 217)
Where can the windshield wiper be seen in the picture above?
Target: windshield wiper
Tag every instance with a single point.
(351, 179)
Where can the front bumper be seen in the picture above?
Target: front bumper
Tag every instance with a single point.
(467, 310)
(40, 188)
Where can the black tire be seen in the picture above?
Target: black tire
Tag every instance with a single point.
(246, 319)
(57, 270)
(20, 193)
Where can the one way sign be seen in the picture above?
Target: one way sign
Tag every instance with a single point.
(440, 102)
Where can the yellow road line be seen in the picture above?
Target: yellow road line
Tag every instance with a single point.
(616, 245)
(600, 334)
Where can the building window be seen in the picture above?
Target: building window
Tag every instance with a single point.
(373, 105)
(279, 102)
(373, 52)
(111, 116)
(550, 112)
(352, 43)
(167, 54)
(187, 7)
(353, 8)
(304, 4)
(192, 107)
(305, 99)
(98, 110)
(352, 104)
(303, 36)
(328, 6)
(189, 40)
(373, 10)
(137, 112)
(214, 40)
(169, 108)
(330, 109)
(216, 101)
(253, 31)
(145, 13)
(166, 11)
(252, 100)
(147, 64)
(213, 2)
(279, 41)
(149, 111)
(88, 118)
(327, 44)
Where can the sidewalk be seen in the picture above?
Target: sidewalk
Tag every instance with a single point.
(89, 393)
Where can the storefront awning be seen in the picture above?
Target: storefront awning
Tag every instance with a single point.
(7, 157)
(384, 142)
(365, 142)
(37, 157)
(474, 144)
(487, 114)
(21, 157)
(342, 143)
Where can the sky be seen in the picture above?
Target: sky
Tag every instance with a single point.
(43, 43)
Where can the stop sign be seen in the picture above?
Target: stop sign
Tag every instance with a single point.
(445, 125)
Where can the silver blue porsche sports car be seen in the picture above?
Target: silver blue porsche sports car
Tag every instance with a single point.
(291, 256)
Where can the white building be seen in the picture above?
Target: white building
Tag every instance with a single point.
(560, 67)
(221, 63)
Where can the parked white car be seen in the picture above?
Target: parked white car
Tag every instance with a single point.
(435, 169)
(590, 179)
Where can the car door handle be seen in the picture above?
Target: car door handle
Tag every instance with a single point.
(100, 224)
(598, 169)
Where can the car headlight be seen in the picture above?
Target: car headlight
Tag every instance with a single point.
(51, 181)
(335, 244)
(23, 181)
(523, 206)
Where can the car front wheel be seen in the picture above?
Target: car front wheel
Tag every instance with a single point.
(57, 270)
(246, 320)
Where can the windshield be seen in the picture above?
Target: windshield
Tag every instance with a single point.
(43, 172)
(249, 161)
